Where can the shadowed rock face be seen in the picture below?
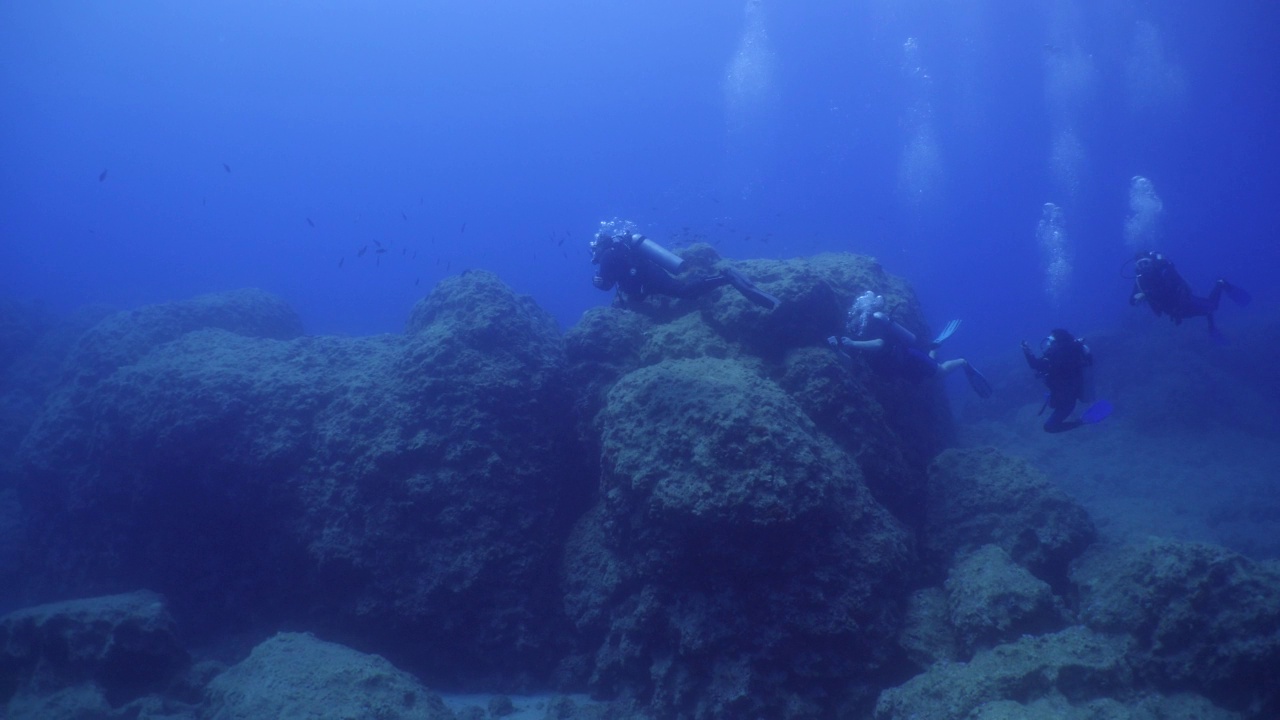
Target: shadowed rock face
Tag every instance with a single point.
(1202, 617)
(685, 507)
(734, 546)
(125, 645)
(389, 486)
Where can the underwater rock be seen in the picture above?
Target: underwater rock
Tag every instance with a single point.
(981, 496)
(1077, 664)
(296, 675)
(927, 636)
(993, 600)
(124, 337)
(399, 487)
(118, 647)
(891, 426)
(736, 565)
(1202, 617)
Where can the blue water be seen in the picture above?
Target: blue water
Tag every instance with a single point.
(928, 134)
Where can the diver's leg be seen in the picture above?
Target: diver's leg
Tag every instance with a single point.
(1058, 422)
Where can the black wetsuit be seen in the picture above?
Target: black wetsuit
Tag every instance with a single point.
(640, 277)
(1062, 369)
(1168, 293)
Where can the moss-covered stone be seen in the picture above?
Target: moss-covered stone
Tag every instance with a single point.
(982, 496)
(736, 564)
(1202, 616)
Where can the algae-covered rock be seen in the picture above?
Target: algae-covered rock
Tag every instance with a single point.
(1076, 664)
(1202, 616)
(295, 675)
(994, 600)
(399, 486)
(927, 635)
(736, 565)
(981, 496)
(122, 646)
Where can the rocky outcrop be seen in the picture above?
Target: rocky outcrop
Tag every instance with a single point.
(295, 675)
(981, 496)
(1201, 617)
(732, 541)
(394, 486)
(114, 648)
(993, 600)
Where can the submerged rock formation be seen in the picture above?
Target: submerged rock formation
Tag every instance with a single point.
(691, 506)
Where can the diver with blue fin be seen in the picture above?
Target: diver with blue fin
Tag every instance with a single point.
(1157, 283)
(1066, 366)
(872, 330)
(641, 267)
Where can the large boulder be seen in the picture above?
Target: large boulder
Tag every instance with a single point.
(295, 675)
(736, 565)
(981, 496)
(993, 600)
(1201, 616)
(892, 427)
(119, 647)
(1075, 674)
(391, 487)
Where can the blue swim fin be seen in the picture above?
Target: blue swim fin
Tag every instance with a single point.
(1238, 295)
(977, 382)
(947, 332)
(1096, 413)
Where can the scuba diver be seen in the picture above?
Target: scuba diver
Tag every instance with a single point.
(904, 354)
(641, 267)
(1065, 367)
(1157, 283)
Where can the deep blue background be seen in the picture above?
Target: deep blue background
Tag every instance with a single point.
(531, 122)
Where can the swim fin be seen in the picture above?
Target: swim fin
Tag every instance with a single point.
(1096, 412)
(947, 332)
(1238, 295)
(977, 381)
(750, 291)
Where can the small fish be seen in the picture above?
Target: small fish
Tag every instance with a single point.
(310, 223)
(403, 216)
(226, 167)
(102, 176)
(419, 200)
(560, 243)
(415, 255)
(380, 251)
(404, 251)
(362, 251)
(204, 201)
(375, 242)
(464, 228)
(417, 282)
(340, 261)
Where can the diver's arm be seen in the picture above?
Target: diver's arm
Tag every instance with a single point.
(1038, 364)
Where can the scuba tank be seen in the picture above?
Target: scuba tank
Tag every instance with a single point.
(651, 250)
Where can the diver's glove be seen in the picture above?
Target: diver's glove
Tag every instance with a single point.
(834, 342)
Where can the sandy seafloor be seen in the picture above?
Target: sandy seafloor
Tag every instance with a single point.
(1191, 451)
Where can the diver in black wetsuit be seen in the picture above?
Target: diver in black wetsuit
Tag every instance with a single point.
(1062, 367)
(1157, 283)
(640, 267)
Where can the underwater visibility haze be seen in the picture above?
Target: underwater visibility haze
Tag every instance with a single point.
(298, 334)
